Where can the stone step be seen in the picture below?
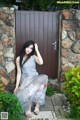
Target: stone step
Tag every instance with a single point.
(48, 105)
(43, 115)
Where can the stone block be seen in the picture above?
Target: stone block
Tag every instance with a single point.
(78, 35)
(67, 14)
(72, 35)
(48, 104)
(64, 53)
(8, 52)
(12, 76)
(10, 66)
(64, 60)
(76, 47)
(5, 81)
(67, 66)
(64, 34)
(68, 25)
(66, 43)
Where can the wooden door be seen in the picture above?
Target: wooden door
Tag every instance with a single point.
(43, 28)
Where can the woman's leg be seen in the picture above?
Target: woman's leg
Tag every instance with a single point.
(40, 94)
(28, 112)
(37, 106)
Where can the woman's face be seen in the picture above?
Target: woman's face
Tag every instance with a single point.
(29, 49)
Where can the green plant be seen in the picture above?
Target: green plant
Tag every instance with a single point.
(72, 90)
(9, 103)
(50, 90)
(46, 5)
(40, 5)
(7, 3)
(2, 88)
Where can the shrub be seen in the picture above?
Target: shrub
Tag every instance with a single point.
(72, 90)
(9, 103)
(50, 90)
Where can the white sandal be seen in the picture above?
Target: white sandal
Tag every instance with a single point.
(28, 114)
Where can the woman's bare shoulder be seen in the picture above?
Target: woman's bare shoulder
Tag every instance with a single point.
(18, 59)
(34, 56)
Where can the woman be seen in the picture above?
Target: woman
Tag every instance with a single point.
(30, 86)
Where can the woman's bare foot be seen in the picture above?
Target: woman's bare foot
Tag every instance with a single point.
(28, 114)
(36, 110)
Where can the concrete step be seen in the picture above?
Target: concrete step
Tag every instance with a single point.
(48, 105)
(43, 115)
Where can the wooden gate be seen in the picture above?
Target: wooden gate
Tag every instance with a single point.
(43, 28)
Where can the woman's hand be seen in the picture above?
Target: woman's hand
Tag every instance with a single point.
(15, 90)
(36, 47)
(38, 57)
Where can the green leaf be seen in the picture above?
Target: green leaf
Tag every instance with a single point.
(72, 89)
(10, 103)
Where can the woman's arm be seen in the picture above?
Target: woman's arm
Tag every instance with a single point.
(38, 57)
(18, 77)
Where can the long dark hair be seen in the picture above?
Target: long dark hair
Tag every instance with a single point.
(22, 52)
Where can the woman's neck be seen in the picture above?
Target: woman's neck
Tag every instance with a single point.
(25, 57)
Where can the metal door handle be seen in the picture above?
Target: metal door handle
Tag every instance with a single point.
(54, 44)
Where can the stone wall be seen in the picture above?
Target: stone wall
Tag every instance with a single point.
(70, 42)
(7, 47)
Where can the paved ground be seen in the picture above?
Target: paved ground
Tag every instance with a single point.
(53, 109)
